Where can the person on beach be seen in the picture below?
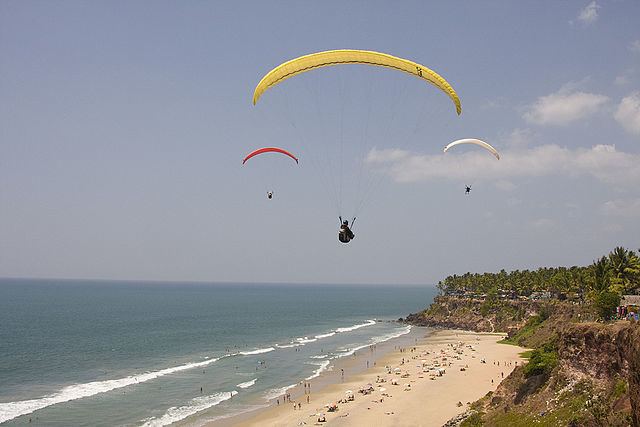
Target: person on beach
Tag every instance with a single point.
(269, 194)
(467, 190)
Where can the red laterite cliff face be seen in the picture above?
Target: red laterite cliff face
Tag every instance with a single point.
(629, 351)
(594, 382)
(590, 372)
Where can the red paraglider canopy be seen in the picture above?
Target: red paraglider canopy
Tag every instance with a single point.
(269, 150)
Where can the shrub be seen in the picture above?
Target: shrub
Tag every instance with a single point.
(541, 361)
(605, 304)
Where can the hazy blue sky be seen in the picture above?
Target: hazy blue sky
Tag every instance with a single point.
(123, 125)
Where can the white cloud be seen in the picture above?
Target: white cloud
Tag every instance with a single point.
(387, 155)
(621, 80)
(603, 162)
(625, 77)
(628, 113)
(622, 208)
(635, 46)
(519, 138)
(563, 107)
(589, 14)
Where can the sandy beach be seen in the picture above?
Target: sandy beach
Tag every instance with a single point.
(422, 385)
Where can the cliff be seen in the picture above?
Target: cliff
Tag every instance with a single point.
(594, 381)
(492, 316)
(579, 373)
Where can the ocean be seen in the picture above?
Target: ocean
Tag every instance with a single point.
(102, 353)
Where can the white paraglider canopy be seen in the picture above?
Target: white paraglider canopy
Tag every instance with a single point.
(479, 142)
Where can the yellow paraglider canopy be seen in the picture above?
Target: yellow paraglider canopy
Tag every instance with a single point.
(347, 56)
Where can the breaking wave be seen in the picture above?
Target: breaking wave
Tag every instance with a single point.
(11, 410)
(196, 405)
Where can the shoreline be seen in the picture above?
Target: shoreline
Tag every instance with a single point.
(421, 398)
(352, 365)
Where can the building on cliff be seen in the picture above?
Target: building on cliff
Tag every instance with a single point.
(629, 307)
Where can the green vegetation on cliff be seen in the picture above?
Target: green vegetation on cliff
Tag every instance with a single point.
(541, 361)
(600, 284)
(579, 372)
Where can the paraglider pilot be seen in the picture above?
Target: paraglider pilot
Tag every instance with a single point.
(345, 234)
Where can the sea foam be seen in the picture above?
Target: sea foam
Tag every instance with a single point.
(196, 405)
(247, 384)
(375, 340)
(354, 327)
(277, 392)
(321, 367)
(289, 345)
(11, 410)
(395, 334)
(306, 340)
(330, 334)
(258, 351)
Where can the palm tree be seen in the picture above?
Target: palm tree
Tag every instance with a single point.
(625, 269)
(601, 272)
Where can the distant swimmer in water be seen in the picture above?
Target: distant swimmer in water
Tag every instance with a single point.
(270, 194)
(468, 189)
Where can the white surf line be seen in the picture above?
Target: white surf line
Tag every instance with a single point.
(306, 340)
(374, 340)
(258, 351)
(11, 410)
(354, 327)
(198, 404)
(322, 367)
(247, 384)
(277, 392)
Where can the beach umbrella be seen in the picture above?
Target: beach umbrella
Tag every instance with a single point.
(348, 392)
(382, 389)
